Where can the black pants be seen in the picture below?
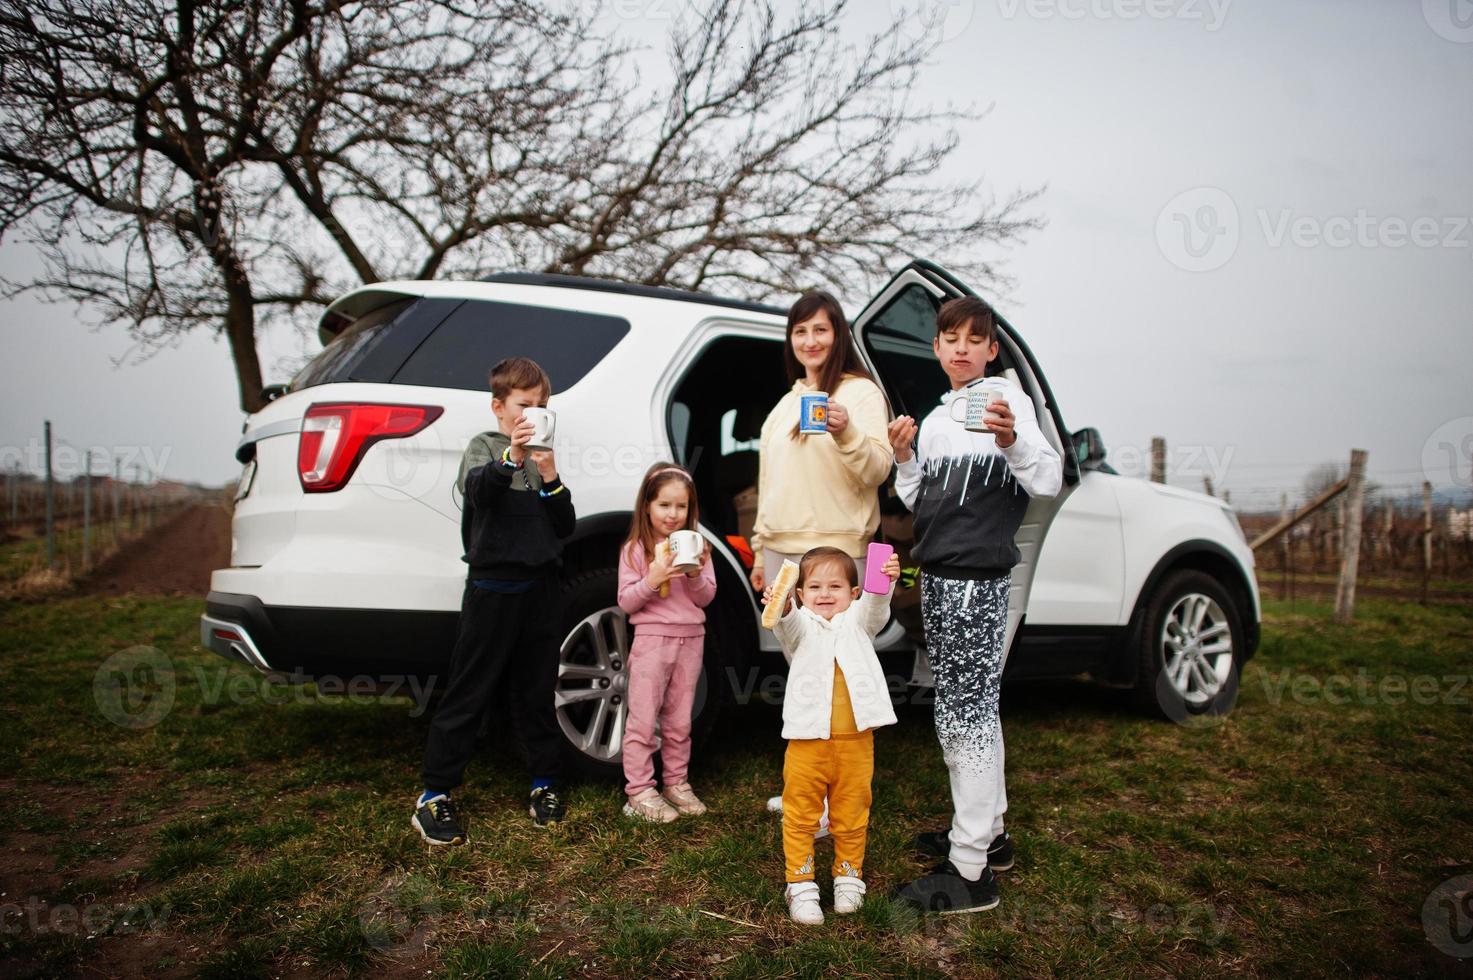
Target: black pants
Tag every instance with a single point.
(512, 635)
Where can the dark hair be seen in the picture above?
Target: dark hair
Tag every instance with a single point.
(641, 531)
(823, 556)
(843, 359)
(955, 314)
(518, 374)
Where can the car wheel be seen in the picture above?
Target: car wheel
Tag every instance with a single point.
(1190, 643)
(592, 692)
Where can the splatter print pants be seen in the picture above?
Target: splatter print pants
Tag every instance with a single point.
(966, 622)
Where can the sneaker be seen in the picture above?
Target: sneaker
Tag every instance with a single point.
(938, 844)
(651, 806)
(803, 908)
(848, 894)
(544, 806)
(944, 890)
(684, 799)
(436, 823)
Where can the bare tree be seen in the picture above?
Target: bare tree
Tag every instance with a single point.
(183, 165)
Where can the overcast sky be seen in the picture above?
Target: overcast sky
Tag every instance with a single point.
(1258, 243)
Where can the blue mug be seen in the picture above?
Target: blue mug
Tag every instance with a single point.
(813, 412)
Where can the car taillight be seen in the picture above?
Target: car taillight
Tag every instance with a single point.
(335, 436)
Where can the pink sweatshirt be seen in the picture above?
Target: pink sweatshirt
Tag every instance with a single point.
(682, 613)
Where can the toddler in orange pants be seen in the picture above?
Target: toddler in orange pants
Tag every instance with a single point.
(836, 696)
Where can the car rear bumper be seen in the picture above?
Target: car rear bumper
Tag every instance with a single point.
(384, 644)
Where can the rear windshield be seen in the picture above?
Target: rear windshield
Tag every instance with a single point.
(349, 348)
(452, 343)
(477, 334)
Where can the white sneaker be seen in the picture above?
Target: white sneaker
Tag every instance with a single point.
(803, 905)
(650, 805)
(848, 894)
(775, 805)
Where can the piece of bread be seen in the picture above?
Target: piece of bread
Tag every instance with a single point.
(662, 551)
(782, 587)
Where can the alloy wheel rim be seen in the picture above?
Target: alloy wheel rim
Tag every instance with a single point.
(1196, 648)
(591, 695)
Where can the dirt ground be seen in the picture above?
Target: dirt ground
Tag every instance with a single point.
(175, 559)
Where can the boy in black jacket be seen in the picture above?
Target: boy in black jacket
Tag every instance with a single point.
(513, 520)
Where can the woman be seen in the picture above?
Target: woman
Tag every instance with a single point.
(823, 488)
(820, 489)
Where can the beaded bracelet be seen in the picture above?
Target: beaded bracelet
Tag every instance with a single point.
(545, 493)
(506, 459)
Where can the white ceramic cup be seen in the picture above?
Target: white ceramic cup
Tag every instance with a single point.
(544, 424)
(971, 409)
(685, 549)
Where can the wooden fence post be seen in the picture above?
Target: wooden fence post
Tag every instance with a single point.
(1351, 505)
(1158, 459)
(1426, 536)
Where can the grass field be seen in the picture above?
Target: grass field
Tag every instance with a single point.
(228, 827)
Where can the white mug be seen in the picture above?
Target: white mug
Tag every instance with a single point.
(544, 424)
(685, 549)
(971, 408)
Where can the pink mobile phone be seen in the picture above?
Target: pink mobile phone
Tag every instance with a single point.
(875, 579)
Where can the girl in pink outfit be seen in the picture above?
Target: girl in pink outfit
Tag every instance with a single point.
(666, 606)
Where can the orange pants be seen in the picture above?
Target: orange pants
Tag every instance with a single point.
(840, 767)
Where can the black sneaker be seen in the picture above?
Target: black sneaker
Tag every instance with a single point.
(944, 890)
(436, 823)
(938, 844)
(545, 806)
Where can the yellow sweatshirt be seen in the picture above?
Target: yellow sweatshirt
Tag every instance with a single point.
(820, 489)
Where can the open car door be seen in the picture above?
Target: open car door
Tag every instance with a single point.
(894, 332)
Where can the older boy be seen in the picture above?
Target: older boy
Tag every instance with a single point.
(969, 491)
(512, 524)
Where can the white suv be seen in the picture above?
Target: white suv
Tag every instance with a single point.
(346, 549)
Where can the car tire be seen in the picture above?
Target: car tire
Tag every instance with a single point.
(593, 676)
(1189, 647)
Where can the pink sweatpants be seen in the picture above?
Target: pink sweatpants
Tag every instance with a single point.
(663, 671)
